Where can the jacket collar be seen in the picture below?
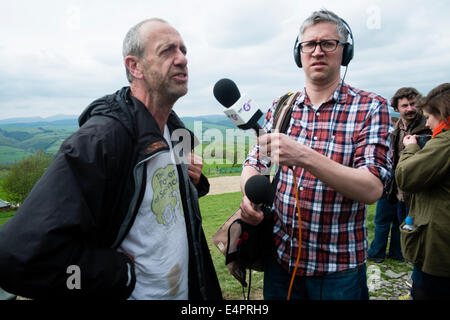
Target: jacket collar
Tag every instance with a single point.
(146, 125)
(418, 122)
(136, 118)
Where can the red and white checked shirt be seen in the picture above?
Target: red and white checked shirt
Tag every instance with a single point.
(352, 128)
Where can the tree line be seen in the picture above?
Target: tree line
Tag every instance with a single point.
(23, 175)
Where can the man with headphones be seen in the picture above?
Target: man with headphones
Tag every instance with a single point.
(334, 159)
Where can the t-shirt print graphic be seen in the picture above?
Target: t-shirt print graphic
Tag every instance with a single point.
(166, 195)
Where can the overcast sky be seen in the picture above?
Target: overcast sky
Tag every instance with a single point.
(58, 56)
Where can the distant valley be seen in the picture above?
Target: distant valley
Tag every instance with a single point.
(20, 137)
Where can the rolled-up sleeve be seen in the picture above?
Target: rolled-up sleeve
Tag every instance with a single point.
(373, 144)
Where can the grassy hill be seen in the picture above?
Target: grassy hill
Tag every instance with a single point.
(27, 135)
(17, 141)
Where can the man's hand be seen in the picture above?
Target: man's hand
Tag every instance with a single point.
(249, 214)
(195, 166)
(358, 184)
(281, 149)
(409, 139)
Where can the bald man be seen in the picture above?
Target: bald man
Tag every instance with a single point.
(116, 215)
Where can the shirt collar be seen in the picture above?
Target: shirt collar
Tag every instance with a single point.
(339, 95)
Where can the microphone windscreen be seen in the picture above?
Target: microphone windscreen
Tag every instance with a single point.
(258, 190)
(226, 92)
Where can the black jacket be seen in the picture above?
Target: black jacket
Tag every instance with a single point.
(85, 203)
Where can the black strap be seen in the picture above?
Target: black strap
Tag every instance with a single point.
(229, 257)
(284, 125)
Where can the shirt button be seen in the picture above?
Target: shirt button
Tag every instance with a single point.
(301, 188)
(317, 114)
(315, 138)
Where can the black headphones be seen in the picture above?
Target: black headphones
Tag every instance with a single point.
(347, 54)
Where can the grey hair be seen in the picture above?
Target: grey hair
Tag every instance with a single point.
(133, 44)
(324, 15)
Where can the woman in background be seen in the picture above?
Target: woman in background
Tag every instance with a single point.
(426, 174)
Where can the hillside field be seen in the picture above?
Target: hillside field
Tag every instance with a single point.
(18, 140)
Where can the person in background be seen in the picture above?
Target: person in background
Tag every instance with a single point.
(386, 222)
(425, 174)
(411, 121)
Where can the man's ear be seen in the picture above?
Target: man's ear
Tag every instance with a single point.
(134, 66)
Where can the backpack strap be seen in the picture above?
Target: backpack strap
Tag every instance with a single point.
(281, 120)
(283, 111)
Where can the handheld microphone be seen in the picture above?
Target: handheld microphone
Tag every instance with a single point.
(259, 191)
(241, 110)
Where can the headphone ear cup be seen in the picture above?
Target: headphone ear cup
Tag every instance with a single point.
(297, 59)
(347, 54)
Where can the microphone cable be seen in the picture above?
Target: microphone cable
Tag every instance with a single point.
(299, 236)
(299, 212)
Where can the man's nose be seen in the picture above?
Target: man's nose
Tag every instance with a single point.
(180, 58)
(410, 108)
(317, 50)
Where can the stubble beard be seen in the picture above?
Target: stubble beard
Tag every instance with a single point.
(164, 89)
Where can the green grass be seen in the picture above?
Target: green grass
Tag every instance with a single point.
(370, 222)
(10, 154)
(19, 142)
(216, 209)
(220, 170)
(5, 216)
(3, 193)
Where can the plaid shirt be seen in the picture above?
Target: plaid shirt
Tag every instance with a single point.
(352, 128)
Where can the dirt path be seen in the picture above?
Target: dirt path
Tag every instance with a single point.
(225, 184)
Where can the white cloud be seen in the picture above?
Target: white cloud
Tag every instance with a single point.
(56, 56)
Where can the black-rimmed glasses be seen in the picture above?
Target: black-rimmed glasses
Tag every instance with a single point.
(325, 45)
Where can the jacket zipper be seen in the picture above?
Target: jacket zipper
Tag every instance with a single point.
(125, 226)
(196, 238)
(132, 211)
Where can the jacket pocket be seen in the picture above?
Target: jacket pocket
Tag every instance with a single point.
(413, 243)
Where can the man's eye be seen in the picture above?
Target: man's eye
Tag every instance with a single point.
(164, 51)
(328, 44)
